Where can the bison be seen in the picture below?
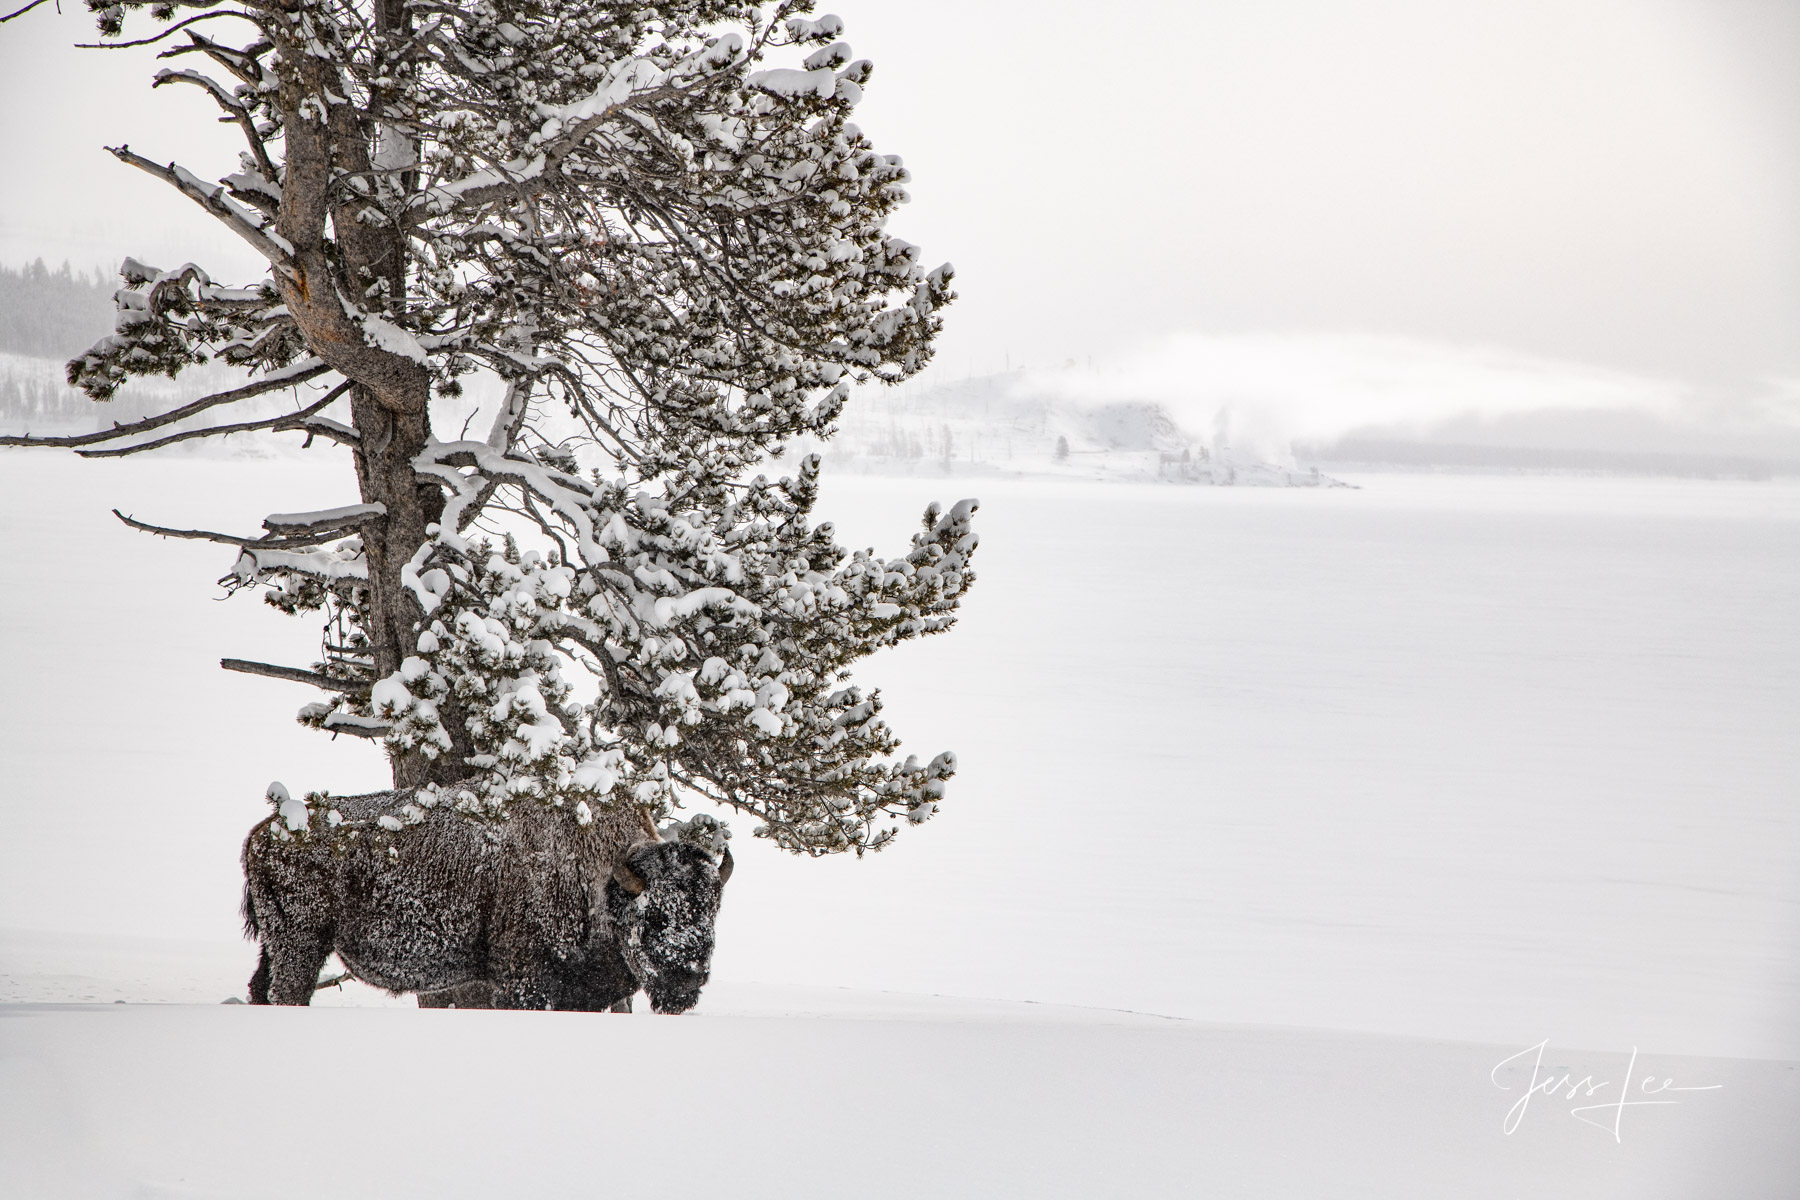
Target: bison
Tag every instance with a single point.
(545, 908)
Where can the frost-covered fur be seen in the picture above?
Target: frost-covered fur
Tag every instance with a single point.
(603, 983)
(431, 899)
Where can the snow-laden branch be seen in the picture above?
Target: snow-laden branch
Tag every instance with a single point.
(563, 492)
(260, 234)
(256, 187)
(335, 430)
(296, 675)
(632, 82)
(264, 558)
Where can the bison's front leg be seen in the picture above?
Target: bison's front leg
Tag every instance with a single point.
(289, 970)
(259, 982)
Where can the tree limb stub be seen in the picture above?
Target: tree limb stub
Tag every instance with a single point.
(296, 675)
(328, 428)
(292, 524)
(355, 726)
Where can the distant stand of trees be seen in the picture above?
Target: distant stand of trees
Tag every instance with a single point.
(25, 400)
(53, 314)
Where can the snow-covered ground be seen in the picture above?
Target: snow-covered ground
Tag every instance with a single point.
(1487, 760)
(786, 1093)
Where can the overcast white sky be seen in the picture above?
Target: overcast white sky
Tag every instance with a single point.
(1606, 182)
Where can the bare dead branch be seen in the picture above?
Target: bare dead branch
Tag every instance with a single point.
(296, 675)
(179, 25)
(238, 62)
(268, 383)
(21, 12)
(226, 539)
(286, 421)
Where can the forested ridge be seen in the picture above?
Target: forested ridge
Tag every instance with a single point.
(53, 313)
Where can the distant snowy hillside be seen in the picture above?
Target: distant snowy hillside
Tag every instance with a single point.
(1002, 425)
(1342, 402)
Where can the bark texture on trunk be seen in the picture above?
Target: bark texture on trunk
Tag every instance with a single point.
(344, 264)
(384, 472)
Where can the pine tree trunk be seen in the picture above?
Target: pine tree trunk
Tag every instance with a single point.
(362, 267)
(384, 472)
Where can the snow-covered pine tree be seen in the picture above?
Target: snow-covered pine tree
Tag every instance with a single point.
(657, 218)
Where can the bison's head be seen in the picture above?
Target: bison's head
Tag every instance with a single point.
(663, 899)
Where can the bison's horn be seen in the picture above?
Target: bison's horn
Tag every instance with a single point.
(628, 879)
(725, 866)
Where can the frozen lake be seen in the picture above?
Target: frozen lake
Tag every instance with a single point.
(1488, 758)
